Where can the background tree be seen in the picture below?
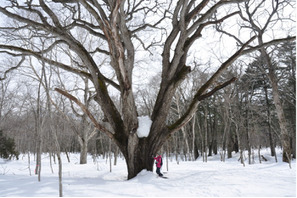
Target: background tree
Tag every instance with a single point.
(286, 59)
(252, 20)
(7, 147)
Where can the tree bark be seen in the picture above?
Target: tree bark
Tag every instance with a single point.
(39, 132)
(194, 148)
(83, 152)
(285, 136)
(271, 139)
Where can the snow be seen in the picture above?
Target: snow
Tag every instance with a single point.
(144, 126)
(186, 178)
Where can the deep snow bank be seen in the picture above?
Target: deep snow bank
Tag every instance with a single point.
(211, 179)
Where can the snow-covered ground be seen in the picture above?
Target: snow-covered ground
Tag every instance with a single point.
(199, 179)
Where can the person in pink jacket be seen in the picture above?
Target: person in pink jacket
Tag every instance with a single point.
(159, 164)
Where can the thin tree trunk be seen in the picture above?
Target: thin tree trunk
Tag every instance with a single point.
(237, 127)
(51, 163)
(67, 155)
(285, 136)
(194, 137)
(39, 135)
(230, 143)
(60, 169)
(58, 149)
(183, 129)
(109, 156)
(215, 134)
(29, 167)
(167, 156)
(239, 145)
(202, 141)
(271, 139)
(176, 148)
(83, 135)
(248, 136)
(116, 156)
(83, 151)
(227, 122)
(259, 154)
(226, 137)
(53, 131)
(205, 134)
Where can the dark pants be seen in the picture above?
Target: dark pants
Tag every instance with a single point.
(158, 171)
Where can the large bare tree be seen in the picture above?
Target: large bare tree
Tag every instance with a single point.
(114, 27)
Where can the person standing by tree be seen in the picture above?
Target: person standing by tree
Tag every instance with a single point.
(159, 164)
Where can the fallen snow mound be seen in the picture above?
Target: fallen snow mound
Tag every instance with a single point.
(186, 178)
(144, 126)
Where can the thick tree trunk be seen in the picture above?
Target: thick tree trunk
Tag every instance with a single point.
(139, 156)
(139, 152)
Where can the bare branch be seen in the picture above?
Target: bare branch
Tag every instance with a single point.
(69, 68)
(200, 93)
(196, 10)
(273, 42)
(23, 19)
(197, 33)
(12, 68)
(87, 112)
(217, 88)
(223, 67)
(210, 12)
(178, 125)
(50, 13)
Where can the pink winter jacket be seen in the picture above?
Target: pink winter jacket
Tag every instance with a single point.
(159, 160)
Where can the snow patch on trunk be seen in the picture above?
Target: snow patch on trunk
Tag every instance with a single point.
(144, 126)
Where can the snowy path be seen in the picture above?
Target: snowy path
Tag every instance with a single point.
(211, 179)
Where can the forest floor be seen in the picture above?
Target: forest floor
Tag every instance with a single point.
(186, 178)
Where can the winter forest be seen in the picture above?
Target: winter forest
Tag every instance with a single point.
(125, 80)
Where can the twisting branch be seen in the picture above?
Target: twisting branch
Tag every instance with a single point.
(210, 12)
(12, 68)
(200, 95)
(87, 112)
(176, 126)
(223, 67)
